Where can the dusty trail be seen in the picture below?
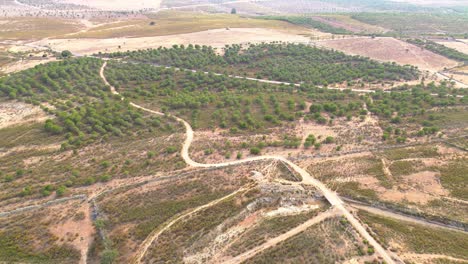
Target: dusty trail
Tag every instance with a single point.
(416, 256)
(402, 217)
(274, 241)
(141, 251)
(331, 196)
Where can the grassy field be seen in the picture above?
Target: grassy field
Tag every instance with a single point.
(175, 22)
(411, 23)
(454, 177)
(347, 22)
(24, 28)
(415, 238)
(27, 237)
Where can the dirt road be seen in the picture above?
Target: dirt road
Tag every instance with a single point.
(141, 251)
(331, 196)
(274, 241)
(402, 217)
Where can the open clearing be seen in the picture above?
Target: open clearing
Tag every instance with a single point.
(116, 5)
(392, 50)
(459, 45)
(216, 37)
(13, 113)
(177, 22)
(26, 28)
(348, 23)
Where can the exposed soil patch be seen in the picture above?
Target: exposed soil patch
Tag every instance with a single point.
(78, 231)
(458, 45)
(392, 50)
(216, 37)
(15, 113)
(23, 65)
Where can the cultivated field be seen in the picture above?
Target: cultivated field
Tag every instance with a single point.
(460, 45)
(348, 23)
(216, 37)
(392, 50)
(177, 22)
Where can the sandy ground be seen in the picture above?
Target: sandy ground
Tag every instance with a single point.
(216, 38)
(392, 50)
(23, 65)
(459, 77)
(458, 45)
(14, 113)
(77, 232)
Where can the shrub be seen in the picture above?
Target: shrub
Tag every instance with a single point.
(105, 178)
(171, 149)
(61, 190)
(105, 164)
(150, 154)
(255, 151)
(109, 256)
(329, 140)
(9, 178)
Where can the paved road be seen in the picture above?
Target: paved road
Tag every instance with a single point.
(331, 196)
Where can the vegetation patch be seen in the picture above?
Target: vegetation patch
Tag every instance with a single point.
(172, 245)
(417, 238)
(328, 242)
(454, 177)
(440, 49)
(268, 228)
(310, 23)
(281, 62)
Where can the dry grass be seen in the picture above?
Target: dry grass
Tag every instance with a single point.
(409, 237)
(331, 241)
(23, 28)
(392, 50)
(348, 23)
(173, 22)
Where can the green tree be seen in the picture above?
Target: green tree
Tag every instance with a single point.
(66, 54)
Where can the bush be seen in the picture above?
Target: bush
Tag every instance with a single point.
(105, 164)
(109, 256)
(255, 151)
(171, 150)
(150, 154)
(9, 178)
(66, 54)
(329, 140)
(61, 190)
(105, 178)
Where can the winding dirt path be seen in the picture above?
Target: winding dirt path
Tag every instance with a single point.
(276, 240)
(389, 214)
(331, 196)
(153, 236)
